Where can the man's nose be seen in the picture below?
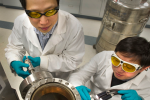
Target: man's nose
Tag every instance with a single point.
(43, 20)
(120, 68)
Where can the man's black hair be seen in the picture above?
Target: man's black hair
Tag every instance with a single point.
(136, 47)
(23, 3)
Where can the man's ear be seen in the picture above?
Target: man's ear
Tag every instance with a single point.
(145, 68)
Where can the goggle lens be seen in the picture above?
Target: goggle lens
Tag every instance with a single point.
(115, 61)
(51, 12)
(34, 15)
(126, 67)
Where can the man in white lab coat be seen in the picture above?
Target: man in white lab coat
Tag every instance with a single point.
(125, 69)
(53, 38)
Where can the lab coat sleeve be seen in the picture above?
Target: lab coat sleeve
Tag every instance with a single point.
(82, 75)
(146, 98)
(69, 59)
(15, 49)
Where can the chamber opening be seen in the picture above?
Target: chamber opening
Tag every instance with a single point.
(53, 91)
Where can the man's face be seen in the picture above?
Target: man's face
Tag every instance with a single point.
(120, 73)
(43, 24)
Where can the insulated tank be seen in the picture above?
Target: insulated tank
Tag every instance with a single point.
(122, 18)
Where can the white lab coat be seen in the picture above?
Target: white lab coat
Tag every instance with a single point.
(100, 67)
(63, 52)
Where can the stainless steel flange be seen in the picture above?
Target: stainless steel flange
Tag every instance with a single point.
(57, 87)
(42, 86)
(27, 83)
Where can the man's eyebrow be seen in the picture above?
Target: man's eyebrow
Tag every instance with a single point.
(39, 10)
(49, 7)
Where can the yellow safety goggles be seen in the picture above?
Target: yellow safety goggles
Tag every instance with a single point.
(34, 14)
(126, 66)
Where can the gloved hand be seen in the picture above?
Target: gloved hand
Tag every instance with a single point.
(18, 67)
(35, 61)
(129, 95)
(84, 92)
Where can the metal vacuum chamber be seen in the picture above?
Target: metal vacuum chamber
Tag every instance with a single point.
(42, 86)
(122, 18)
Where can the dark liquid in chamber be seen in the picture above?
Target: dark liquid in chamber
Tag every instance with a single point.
(53, 96)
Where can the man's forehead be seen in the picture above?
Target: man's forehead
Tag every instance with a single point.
(129, 56)
(40, 5)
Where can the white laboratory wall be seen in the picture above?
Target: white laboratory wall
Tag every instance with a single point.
(93, 8)
(71, 6)
(102, 9)
(146, 34)
(148, 22)
(15, 3)
(0, 1)
(90, 7)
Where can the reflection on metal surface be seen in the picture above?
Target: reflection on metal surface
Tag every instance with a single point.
(121, 19)
(42, 86)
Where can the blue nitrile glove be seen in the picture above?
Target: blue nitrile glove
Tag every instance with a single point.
(84, 92)
(129, 95)
(35, 61)
(18, 67)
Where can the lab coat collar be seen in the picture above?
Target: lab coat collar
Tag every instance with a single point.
(30, 33)
(61, 23)
(26, 22)
(58, 34)
(124, 86)
(32, 36)
(109, 72)
(138, 79)
(53, 41)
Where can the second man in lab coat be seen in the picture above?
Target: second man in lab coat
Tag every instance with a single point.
(125, 69)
